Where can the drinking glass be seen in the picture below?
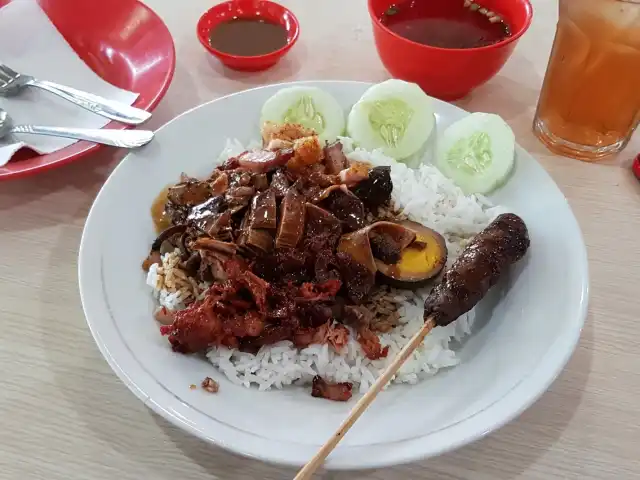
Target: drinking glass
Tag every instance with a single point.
(589, 105)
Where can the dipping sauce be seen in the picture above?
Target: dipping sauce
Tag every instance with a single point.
(248, 37)
(446, 23)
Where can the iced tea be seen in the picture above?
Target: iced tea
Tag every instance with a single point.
(590, 100)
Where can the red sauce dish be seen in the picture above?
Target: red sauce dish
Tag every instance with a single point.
(247, 16)
(447, 73)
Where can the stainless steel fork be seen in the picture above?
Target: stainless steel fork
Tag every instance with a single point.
(11, 82)
(116, 138)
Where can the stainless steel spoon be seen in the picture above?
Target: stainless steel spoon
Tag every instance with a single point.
(115, 138)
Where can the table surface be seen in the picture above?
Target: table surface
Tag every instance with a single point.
(65, 415)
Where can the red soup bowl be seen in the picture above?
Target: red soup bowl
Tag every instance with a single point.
(448, 73)
(248, 9)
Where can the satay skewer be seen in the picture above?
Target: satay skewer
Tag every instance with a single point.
(359, 408)
(478, 268)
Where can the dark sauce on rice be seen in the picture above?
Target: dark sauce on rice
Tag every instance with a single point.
(159, 216)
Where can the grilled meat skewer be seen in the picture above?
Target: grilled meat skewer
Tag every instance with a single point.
(479, 267)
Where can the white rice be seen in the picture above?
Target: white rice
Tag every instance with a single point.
(171, 286)
(424, 195)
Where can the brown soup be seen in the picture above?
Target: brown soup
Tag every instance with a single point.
(248, 37)
(446, 23)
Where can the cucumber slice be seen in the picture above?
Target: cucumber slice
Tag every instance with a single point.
(477, 152)
(394, 116)
(309, 107)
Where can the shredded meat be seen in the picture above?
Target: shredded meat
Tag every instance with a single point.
(270, 335)
(313, 314)
(316, 175)
(303, 337)
(230, 310)
(219, 183)
(358, 316)
(248, 311)
(385, 323)
(325, 266)
(313, 292)
(335, 159)
(334, 334)
(337, 336)
(370, 343)
(272, 231)
(164, 316)
(239, 272)
(358, 279)
(194, 329)
(210, 385)
(283, 266)
(338, 392)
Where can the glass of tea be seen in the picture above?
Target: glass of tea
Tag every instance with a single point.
(590, 100)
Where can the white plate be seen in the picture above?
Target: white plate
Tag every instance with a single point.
(524, 333)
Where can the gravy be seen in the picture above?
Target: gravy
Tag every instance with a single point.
(161, 221)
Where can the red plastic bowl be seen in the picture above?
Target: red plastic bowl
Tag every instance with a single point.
(448, 73)
(269, 11)
(125, 43)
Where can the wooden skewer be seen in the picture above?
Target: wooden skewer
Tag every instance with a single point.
(309, 469)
